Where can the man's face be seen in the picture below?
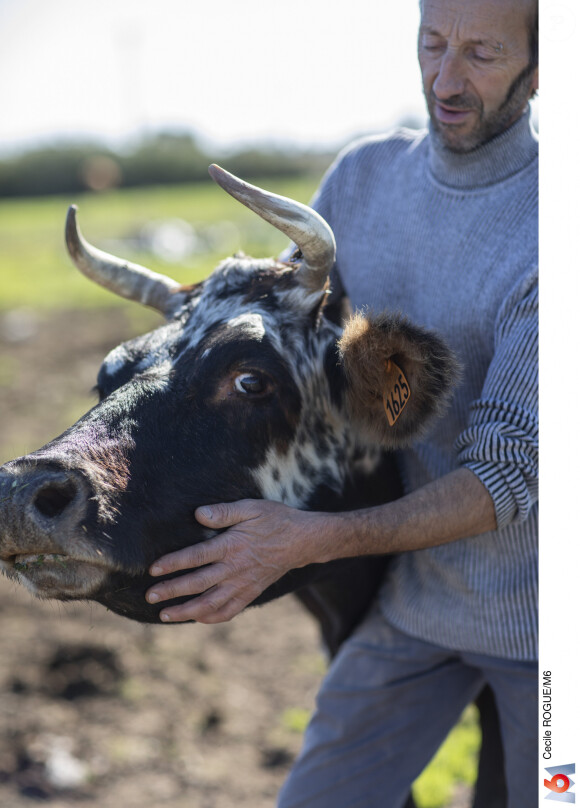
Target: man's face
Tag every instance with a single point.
(475, 62)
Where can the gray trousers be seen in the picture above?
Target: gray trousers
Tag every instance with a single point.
(385, 707)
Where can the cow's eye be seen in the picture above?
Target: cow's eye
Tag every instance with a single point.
(250, 383)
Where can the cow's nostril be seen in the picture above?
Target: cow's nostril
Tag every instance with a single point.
(54, 498)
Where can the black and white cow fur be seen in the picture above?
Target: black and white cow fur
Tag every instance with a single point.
(249, 390)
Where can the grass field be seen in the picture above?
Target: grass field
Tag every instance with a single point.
(34, 267)
(35, 272)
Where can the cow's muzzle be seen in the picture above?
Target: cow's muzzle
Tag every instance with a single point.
(43, 541)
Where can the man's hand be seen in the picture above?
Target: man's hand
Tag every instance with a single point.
(265, 540)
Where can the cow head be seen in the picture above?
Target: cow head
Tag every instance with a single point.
(247, 390)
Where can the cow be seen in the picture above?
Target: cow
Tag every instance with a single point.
(252, 388)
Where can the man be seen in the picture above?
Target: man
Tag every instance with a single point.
(442, 226)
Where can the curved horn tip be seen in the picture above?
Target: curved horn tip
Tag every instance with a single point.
(224, 179)
(71, 213)
(71, 229)
(218, 174)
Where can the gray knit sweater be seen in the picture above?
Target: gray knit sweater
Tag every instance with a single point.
(452, 241)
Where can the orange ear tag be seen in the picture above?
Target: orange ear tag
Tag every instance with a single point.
(396, 393)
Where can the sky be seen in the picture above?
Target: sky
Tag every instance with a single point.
(311, 72)
(305, 71)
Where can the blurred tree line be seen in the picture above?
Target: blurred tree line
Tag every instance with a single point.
(163, 158)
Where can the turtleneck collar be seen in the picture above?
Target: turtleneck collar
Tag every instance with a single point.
(496, 160)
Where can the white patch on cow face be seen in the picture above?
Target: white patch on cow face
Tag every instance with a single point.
(116, 359)
(274, 479)
(251, 325)
(223, 301)
(293, 478)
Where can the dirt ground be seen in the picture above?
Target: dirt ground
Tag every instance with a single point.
(98, 711)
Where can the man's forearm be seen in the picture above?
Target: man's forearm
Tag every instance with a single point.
(453, 507)
(267, 539)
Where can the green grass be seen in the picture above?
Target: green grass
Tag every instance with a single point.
(295, 719)
(35, 269)
(455, 762)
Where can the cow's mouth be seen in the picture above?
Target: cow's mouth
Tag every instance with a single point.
(56, 575)
(21, 563)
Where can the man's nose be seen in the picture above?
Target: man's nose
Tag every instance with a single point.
(451, 76)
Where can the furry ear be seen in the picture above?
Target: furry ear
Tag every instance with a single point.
(399, 376)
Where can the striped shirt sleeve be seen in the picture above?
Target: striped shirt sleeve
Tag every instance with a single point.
(500, 443)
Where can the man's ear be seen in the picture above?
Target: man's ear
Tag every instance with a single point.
(398, 376)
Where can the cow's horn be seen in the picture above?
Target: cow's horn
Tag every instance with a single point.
(125, 279)
(304, 226)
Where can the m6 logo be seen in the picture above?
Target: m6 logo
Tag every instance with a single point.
(560, 783)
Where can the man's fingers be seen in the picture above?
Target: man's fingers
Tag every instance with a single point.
(222, 515)
(193, 584)
(225, 514)
(215, 606)
(198, 555)
(229, 571)
(211, 550)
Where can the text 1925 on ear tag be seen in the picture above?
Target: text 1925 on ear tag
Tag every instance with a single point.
(396, 393)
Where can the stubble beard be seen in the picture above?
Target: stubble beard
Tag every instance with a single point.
(488, 125)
